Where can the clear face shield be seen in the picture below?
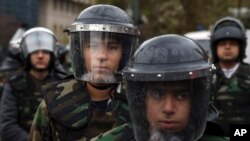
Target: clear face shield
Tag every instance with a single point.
(38, 41)
(174, 110)
(98, 57)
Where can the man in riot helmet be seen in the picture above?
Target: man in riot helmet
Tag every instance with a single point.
(232, 87)
(168, 87)
(91, 102)
(22, 91)
(11, 63)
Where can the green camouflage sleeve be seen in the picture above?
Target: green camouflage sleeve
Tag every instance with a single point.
(120, 133)
(40, 127)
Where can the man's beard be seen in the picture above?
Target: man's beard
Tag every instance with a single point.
(160, 135)
(229, 60)
(96, 77)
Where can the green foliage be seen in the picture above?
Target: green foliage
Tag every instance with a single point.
(178, 16)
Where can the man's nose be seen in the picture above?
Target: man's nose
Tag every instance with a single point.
(169, 104)
(40, 53)
(228, 44)
(102, 53)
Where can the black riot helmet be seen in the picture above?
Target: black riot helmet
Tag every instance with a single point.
(98, 34)
(38, 38)
(228, 28)
(168, 59)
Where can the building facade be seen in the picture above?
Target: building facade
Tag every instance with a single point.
(58, 15)
(53, 14)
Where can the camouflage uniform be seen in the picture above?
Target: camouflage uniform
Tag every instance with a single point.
(232, 96)
(125, 133)
(69, 114)
(21, 97)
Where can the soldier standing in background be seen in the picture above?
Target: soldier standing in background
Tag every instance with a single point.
(91, 102)
(22, 91)
(232, 87)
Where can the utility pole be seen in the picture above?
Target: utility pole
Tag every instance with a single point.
(239, 9)
(135, 11)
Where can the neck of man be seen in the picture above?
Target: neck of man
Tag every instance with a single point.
(39, 75)
(97, 94)
(227, 64)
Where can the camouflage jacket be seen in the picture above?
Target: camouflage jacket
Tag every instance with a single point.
(21, 97)
(68, 113)
(125, 133)
(232, 95)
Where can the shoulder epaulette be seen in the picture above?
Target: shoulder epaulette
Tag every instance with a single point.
(68, 102)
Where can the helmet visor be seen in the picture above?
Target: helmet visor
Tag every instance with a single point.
(98, 57)
(38, 41)
(170, 110)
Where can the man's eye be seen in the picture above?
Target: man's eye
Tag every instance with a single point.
(113, 47)
(182, 94)
(87, 45)
(94, 45)
(156, 94)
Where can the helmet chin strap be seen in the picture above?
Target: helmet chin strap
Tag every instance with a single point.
(101, 86)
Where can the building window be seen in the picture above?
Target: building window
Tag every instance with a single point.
(61, 5)
(55, 4)
(72, 8)
(55, 28)
(67, 6)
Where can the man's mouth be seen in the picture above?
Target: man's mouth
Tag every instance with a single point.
(227, 53)
(100, 69)
(168, 125)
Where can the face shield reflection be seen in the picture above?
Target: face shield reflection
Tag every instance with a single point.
(102, 53)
